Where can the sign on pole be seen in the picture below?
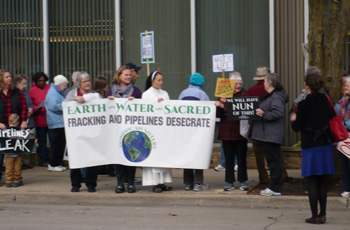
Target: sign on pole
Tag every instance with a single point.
(224, 87)
(147, 47)
(242, 108)
(223, 63)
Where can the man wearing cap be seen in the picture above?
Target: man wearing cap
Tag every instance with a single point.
(258, 90)
(193, 178)
(134, 71)
(54, 116)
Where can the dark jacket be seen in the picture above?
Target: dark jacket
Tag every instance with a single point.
(270, 128)
(229, 130)
(312, 121)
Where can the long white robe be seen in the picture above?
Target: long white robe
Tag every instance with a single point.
(154, 176)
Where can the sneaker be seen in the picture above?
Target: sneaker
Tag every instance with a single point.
(137, 181)
(243, 186)
(228, 187)
(200, 187)
(345, 194)
(8, 185)
(236, 168)
(188, 187)
(62, 167)
(269, 192)
(55, 169)
(219, 168)
(15, 184)
(120, 189)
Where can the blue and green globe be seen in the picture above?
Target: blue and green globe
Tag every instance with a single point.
(136, 146)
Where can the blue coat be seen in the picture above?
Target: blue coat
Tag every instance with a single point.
(194, 92)
(53, 105)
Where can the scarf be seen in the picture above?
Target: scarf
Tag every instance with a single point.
(122, 93)
(343, 108)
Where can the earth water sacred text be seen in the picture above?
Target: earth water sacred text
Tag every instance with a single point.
(174, 134)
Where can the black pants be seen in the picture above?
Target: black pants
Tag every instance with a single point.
(91, 177)
(125, 174)
(231, 149)
(272, 152)
(58, 146)
(192, 176)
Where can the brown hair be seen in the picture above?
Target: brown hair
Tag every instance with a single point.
(119, 72)
(315, 81)
(18, 78)
(99, 84)
(14, 118)
(2, 75)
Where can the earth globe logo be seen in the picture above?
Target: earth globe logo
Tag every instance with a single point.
(136, 146)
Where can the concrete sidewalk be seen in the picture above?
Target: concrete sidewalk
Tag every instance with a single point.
(39, 182)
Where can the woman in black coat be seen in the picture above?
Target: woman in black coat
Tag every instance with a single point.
(316, 144)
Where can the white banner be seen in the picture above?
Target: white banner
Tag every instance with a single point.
(171, 133)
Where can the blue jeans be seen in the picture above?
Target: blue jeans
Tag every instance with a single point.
(222, 155)
(41, 133)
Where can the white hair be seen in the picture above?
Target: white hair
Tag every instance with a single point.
(235, 76)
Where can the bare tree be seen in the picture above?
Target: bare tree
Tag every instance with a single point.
(329, 23)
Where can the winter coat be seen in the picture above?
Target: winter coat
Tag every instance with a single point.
(37, 96)
(194, 92)
(53, 104)
(270, 128)
(258, 90)
(313, 121)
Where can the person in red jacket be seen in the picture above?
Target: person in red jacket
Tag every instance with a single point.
(38, 94)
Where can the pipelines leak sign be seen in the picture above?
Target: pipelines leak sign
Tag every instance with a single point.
(242, 108)
(171, 133)
(15, 140)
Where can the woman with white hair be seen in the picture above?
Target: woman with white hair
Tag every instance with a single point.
(82, 87)
(233, 143)
(54, 117)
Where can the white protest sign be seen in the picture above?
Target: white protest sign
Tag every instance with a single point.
(147, 47)
(344, 147)
(223, 62)
(171, 133)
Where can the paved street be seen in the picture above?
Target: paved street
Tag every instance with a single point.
(45, 202)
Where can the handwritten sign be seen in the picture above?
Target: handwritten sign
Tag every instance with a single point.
(224, 87)
(147, 47)
(223, 62)
(242, 108)
(14, 140)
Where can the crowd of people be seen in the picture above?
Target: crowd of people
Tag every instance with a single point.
(41, 107)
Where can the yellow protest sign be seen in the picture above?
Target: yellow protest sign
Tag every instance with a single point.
(224, 87)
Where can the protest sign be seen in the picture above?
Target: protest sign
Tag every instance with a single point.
(242, 108)
(344, 147)
(224, 87)
(171, 133)
(147, 47)
(223, 63)
(15, 140)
